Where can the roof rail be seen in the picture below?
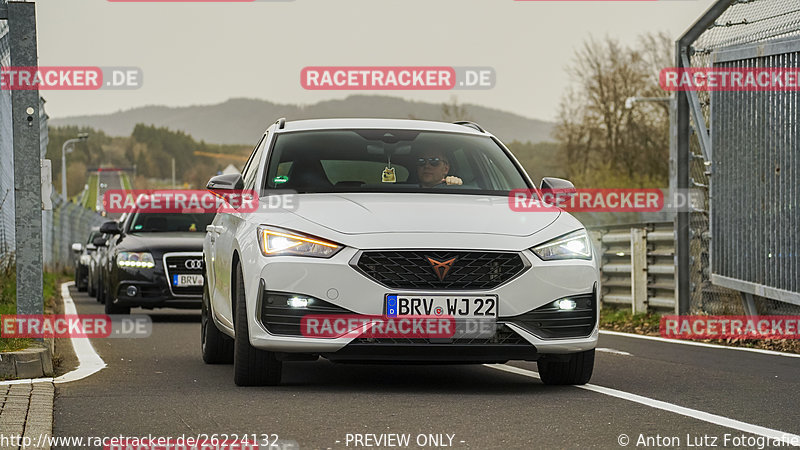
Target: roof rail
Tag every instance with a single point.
(281, 123)
(467, 123)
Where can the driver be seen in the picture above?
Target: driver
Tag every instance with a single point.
(432, 168)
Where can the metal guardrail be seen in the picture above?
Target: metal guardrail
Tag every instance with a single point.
(637, 265)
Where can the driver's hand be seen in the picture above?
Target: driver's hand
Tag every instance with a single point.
(453, 181)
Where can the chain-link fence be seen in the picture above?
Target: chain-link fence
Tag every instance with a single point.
(749, 233)
(67, 222)
(6, 152)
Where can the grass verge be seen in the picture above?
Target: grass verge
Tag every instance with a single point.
(622, 320)
(91, 199)
(126, 182)
(8, 300)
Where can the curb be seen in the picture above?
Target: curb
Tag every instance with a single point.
(32, 362)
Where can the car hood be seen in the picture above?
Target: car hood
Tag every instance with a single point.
(163, 242)
(362, 213)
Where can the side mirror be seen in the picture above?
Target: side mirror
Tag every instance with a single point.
(111, 227)
(99, 242)
(223, 183)
(558, 186)
(91, 247)
(77, 247)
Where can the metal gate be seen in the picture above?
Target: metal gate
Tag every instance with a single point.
(742, 149)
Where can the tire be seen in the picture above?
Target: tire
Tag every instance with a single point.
(217, 347)
(251, 366)
(101, 291)
(92, 289)
(575, 370)
(111, 308)
(81, 286)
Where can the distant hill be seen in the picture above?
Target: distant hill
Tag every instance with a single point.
(239, 121)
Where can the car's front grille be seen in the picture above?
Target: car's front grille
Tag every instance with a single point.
(549, 321)
(503, 336)
(184, 263)
(440, 270)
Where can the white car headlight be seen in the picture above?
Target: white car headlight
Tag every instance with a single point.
(137, 260)
(575, 245)
(274, 242)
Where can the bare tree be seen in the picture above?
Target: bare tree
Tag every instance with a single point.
(603, 142)
(453, 111)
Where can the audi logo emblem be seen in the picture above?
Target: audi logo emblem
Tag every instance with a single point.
(194, 264)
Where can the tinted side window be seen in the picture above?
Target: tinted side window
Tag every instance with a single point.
(251, 168)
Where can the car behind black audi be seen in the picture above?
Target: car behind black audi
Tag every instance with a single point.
(154, 261)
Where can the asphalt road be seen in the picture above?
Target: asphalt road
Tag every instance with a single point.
(112, 181)
(159, 386)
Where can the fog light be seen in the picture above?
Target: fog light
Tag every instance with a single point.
(566, 304)
(298, 302)
(132, 291)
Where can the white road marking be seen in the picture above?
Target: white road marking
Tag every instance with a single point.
(700, 344)
(613, 351)
(89, 362)
(670, 407)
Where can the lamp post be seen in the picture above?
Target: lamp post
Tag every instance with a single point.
(81, 137)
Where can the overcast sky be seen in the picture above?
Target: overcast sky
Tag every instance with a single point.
(205, 53)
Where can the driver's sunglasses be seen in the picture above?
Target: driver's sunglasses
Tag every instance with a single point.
(434, 162)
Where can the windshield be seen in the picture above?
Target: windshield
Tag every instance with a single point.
(390, 161)
(169, 222)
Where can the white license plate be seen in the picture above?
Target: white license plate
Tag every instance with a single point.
(459, 306)
(187, 280)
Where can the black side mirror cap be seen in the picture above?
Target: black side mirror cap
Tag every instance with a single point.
(111, 227)
(227, 182)
(99, 242)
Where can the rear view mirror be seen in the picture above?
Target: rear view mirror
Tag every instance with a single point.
(227, 182)
(111, 227)
(558, 186)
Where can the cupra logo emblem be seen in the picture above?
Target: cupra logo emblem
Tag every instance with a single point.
(441, 268)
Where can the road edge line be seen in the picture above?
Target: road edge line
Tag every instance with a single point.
(700, 344)
(666, 406)
(89, 362)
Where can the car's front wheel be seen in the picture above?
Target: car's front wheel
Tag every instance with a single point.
(101, 290)
(111, 308)
(92, 287)
(216, 346)
(251, 366)
(574, 369)
(79, 279)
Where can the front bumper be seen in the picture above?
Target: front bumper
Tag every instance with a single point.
(338, 283)
(153, 288)
(153, 295)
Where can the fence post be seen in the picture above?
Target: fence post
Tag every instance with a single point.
(25, 108)
(639, 270)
